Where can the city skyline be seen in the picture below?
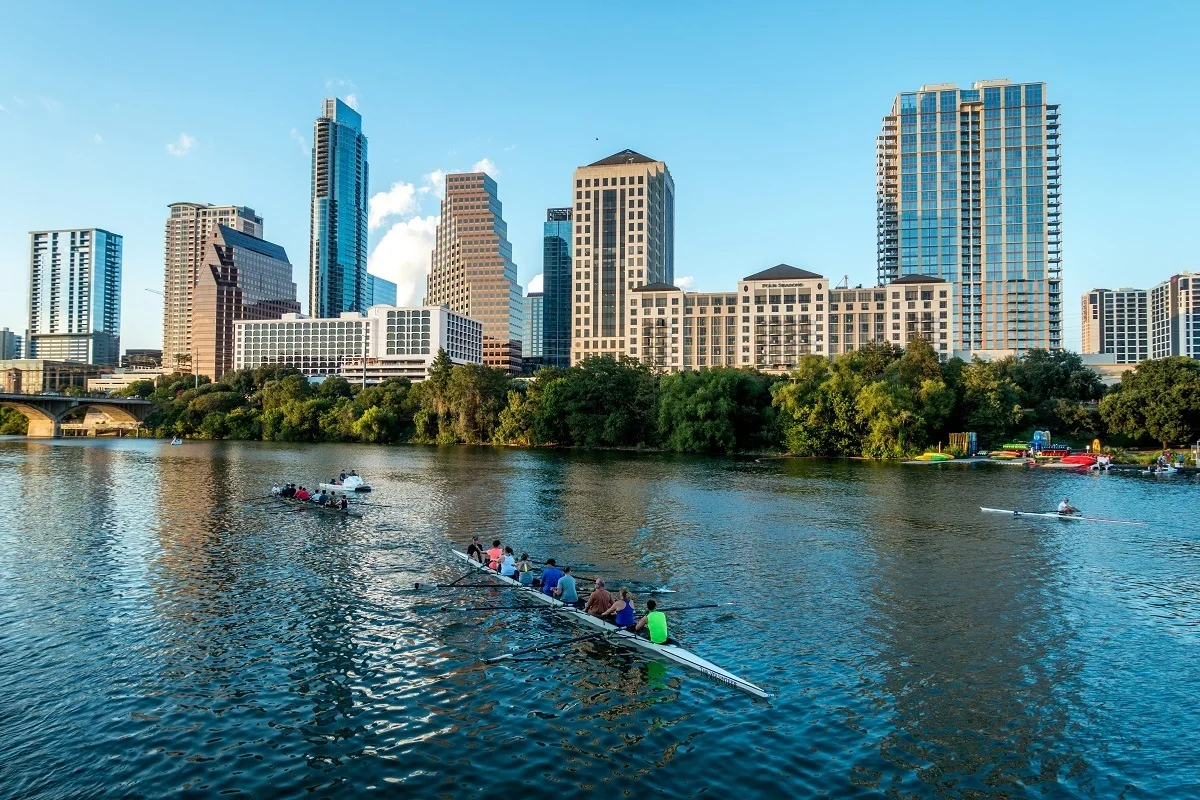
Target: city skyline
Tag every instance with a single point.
(816, 182)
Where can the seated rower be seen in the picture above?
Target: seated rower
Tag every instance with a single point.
(275, 490)
(565, 590)
(342, 504)
(599, 600)
(1065, 507)
(550, 577)
(494, 555)
(508, 564)
(655, 623)
(525, 570)
(623, 610)
(475, 550)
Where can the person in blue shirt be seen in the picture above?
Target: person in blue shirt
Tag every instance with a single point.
(565, 591)
(550, 576)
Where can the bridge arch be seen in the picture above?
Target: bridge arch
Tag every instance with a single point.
(46, 412)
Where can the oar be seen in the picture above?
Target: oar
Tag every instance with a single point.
(472, 586)
(417, 585)
(499, 608)
(546, 646)
(689, 608)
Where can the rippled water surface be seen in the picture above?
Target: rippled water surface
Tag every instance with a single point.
(162, 631)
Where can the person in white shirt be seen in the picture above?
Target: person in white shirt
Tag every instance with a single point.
(1065, 507)
(508, 564)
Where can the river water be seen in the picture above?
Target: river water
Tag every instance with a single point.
(162, 631)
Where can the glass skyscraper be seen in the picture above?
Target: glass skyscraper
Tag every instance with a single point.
(532, 341)
(338, 258)
(556, 288)
(969, 191)
(75, 296)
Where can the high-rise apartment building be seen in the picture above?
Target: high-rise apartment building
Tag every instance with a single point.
(532, 341)
(243, 277)
(382, 292)
(969, 191)
(188, 231)
(10, 345)
(338, 256)
(1175, 317)
(75, 296)
(472, 268)
(624, 238)
(556, 288)
(1117, 323)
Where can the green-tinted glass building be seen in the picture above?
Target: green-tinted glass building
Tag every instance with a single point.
(338, 260)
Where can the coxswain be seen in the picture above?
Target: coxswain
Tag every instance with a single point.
(623, 610)
(1065, 507)
(475, 550)
(494, 555)
(599, 600)
(565, 589)
(508, 564)
(655, 623)
(550, 576)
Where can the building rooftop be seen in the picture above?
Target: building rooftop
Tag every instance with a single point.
(235, 238)
(623, 157)
(658, 287)
(919, 279)
(781, 272)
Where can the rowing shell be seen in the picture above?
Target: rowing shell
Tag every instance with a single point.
(621, 636)
(303, 505)
(1056, 515)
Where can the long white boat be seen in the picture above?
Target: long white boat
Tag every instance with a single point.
(1056, 515)
(623, 637)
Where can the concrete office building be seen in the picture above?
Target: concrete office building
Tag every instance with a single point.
(1117, 323)
(384, 342)
(1175, 317)
(532, 343)
(894, 314)
(243, 277)
(969, 192)
(10, 345)
(472, 270)
(188, 230)
(75, 296)
(338, 247)
(122, 378)
(556, 288)
(38, 375)
(624, 219)
(382, 292)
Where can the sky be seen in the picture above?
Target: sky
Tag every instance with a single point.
(766, 115)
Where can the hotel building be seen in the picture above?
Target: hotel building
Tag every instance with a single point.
(75, 296)
(338, 246)
(624, 219)
(364, 348)
(906, 308)
(472, 270)
(188, 231)
(969, 192)
(1117, 323)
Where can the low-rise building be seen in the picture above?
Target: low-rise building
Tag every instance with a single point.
(40, 375)
(384, 342)
(122, 378)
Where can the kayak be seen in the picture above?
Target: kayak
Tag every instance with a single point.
(1056, 515)
(934, 457)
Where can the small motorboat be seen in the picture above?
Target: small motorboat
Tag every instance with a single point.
(176, 440)
(348, 483)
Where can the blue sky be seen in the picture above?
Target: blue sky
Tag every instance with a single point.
(766, 115)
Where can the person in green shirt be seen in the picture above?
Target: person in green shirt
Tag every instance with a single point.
(655, 623)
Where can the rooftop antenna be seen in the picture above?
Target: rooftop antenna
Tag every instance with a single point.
(845, 284)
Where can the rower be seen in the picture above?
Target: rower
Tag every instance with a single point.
(623, 609)
(655, 623)
(275, 490)
(565, 590)
(525, 570)
(494, 555)
(550, 577)
(342, 504)
(1065, 507)
(508, 564)
(599, 600)
(475, 550)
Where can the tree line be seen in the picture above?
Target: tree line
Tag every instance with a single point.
(880, 402)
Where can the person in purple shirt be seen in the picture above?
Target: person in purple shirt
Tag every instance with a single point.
(550, 576)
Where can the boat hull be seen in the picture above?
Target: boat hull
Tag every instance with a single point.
(621, 636)
(337, 487)
(302, 505)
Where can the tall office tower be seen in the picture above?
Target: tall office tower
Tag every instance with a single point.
(189, 227)
(243, 277)
(556, 288)
(968, 191)
(624, 238)
(472, 268)
(338, 258)
(10, 345)
(533, 343)
(1175, 317)
(75, 296)
(381, 291)
(1117, 323)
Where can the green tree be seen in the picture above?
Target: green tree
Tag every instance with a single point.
(142, 388)
(12, 422)
(477, 395)
(718, 410)
(1159, 400)
(991, 401)
(894, 427)
(608, 402)
(805, 414)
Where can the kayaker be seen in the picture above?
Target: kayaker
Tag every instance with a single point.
(1065, 507)
(623, 610)
(565, 590)
(599, 600)
(550, 576)
(655, 623)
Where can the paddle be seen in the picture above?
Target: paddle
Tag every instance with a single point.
(499, 608)
(472, 586)
(546, 646)
(417, 585)
(689, 608)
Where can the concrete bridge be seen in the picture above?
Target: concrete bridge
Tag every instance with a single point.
(46, 412)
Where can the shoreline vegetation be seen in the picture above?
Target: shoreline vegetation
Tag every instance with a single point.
(880, 402)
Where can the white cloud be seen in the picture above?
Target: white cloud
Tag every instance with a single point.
(181, 146)
(97, 138)
(299, 139)
(50, 104)
(351, 100)
(398, 201)
(687, 283)
(402, 256)
(486, 165)
(535, 284)
(435, 182)
(3, 110)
